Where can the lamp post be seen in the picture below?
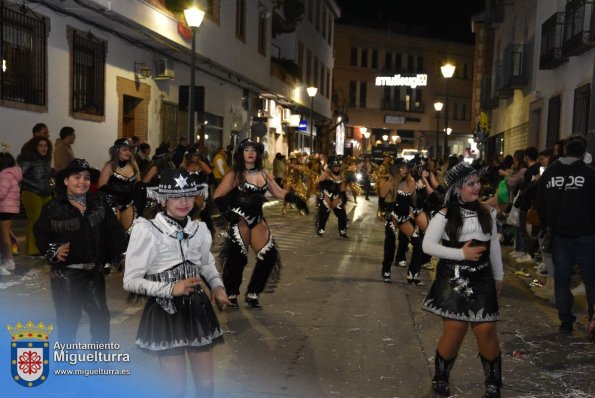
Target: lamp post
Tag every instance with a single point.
(438, 107)
(194, 17)
(366, 135)
(312, 93)
(448, 71)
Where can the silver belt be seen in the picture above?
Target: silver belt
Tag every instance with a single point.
(86, 266)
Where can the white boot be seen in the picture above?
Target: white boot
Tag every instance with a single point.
(9, 264)
(4, 271)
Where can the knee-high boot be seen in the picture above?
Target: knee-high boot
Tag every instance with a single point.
(233, 257)
(493, 376)
(324, 211)
(442, 368)
(415, 263)
(389, 249)
(342, 219)
(268, 266)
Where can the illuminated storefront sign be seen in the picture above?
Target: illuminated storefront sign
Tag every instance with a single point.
(398, 80)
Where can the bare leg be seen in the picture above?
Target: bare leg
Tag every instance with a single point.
(487, 339)
(127, 217)
(453, 334)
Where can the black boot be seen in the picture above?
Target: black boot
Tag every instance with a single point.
(266, 274)
(233, 257)
(493, 376)
(415, 263)
(323, 213)
(442, 368)
(389, 249)
(341, 219)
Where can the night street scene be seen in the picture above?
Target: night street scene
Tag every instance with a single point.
(297, 198)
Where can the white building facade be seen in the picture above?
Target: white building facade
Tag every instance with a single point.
(536, 85)
(119, 68)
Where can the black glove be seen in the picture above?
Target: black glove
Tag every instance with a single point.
(223, 206)
(297, 201)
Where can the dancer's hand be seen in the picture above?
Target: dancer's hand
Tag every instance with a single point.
(185, 287)
(498, 287)
(63, 251)
(219, 297)
(473, 253)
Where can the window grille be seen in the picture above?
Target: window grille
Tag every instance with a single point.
(88, 74)
(23, 55)
(580, 118)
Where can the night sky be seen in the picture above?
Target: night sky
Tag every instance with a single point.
(442, 19)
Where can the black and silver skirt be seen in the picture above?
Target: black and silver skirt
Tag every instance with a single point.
(463, 291)
(184, 321)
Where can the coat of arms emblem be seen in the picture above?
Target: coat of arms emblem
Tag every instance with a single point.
(30, 353)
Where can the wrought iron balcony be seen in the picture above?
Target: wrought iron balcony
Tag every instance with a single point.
(515, 66)
(486, 99)
(579, 27)
(552, 38)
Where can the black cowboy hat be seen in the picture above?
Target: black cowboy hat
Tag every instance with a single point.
(334, 161)
(75, 166)
(258, 146)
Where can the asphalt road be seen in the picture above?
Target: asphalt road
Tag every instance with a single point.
(332, 328)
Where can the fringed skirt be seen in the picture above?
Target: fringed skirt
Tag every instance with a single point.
(193, 324)
(463, 292)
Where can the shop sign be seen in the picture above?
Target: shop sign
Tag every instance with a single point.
(398, 80)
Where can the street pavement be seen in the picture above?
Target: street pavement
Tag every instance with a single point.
(332, 328)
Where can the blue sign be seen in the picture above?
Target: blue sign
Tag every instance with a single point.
(303, 125)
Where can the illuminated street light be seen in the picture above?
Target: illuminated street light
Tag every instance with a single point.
(312, 93)
(194, 17)
(448, 71)
(438, 107)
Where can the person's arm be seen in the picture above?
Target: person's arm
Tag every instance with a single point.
(106, 172)
(227, 184)
(141, 252)
(431, 244)
(204, 167)
(207, 262)
(495, 250)
(280, 193)
(151, 172)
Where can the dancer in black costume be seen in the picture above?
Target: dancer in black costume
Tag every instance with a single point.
(239, 197)
(78, 233)
(332, 197)
(468, 279)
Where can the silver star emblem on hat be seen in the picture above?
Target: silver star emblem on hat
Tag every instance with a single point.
(181, 182)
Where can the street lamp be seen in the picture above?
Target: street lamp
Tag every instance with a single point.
(448, 70)
(438, 107)
(194, 17)
(366, 135)
(312, 93)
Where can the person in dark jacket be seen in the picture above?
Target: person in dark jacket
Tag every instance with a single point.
(78, 233)
(565, 198)
(36, 187)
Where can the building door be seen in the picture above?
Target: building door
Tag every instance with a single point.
(129, 115)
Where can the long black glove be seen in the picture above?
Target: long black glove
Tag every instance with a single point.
(297, 201)
(223, 206)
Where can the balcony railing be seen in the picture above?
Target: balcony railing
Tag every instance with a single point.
(579, 27)
(552, 38)
(403, 106)
(496, 13)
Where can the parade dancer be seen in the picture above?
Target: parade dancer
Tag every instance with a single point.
(240, 197)
(420, 209)
(401, 190)
(117, 180)
(78, 233)
(468, 280)
(165, 261)
(294, 182)
(332, 197)
(382, 176)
